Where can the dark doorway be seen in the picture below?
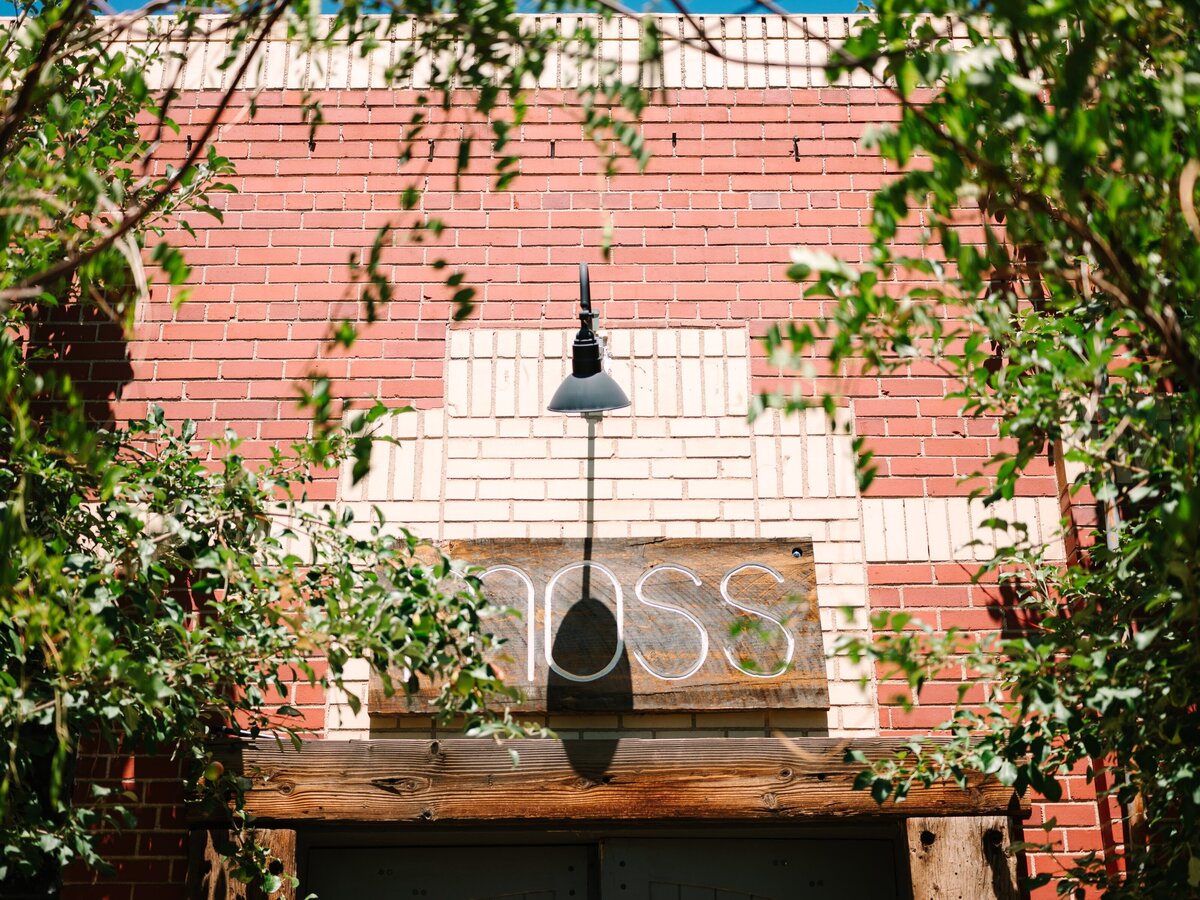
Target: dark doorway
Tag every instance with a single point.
(705, 868)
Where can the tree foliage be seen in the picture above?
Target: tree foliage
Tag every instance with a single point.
(1048, 160)
(157, 591)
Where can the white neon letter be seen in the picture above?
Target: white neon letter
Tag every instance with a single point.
(530, 613)
(683, 612)
(791, 642)
(612, 663)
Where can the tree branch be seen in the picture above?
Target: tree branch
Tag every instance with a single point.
(139, 212)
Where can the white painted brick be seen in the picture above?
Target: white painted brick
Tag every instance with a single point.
(657, 489)
(477, 511)
(563, 489)
(620, 340)
(721, 489)
(836, 596)
(734, 427)
(791, 466)
(550, 426)
(666, 389)
(636, 469)
(505, 385)
(548, 468)
(893, 530)
(510, 489)
(817, 457)
(643, 343)
(530, 343)
(736, 468)
(845, 480)
(642, 397)
(938, 529)
(667, 341)
(689, 342)
(827, 552)
(1025, 512)
(714, 388)
(460, 489)
(845, 531)
(484, 347)
(873, 528)
(959, 520)
(701, 426)
(462, 448)
(513, 448)
(482, 393)
(528, 381)
(555, 343)
(506, 344)
(978, 513)
(737, 391)
(766, 466)
(775, 510)
(433, 423)
(819, 509)
(405, 425)
(484, 426)
(431, 468)
(690, 510)
(652, 448)
(716, 447)
(916, 532)
(739, 510)
(404, 470)
(692, 385)
(458, 386)
(814, 420)
(767, 424)
(679, 468)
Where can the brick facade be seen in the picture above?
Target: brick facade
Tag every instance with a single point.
(748, 163)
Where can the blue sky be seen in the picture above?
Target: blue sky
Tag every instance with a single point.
(829, 7)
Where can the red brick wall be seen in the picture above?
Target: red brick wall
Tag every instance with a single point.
(738, 178)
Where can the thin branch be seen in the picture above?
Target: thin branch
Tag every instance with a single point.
(14, 115)
(151, 203)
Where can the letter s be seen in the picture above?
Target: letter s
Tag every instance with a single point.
(791, 641)
(683, 612)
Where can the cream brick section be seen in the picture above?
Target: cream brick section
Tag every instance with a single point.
(943, 529)
(756, 51)
(681, 462)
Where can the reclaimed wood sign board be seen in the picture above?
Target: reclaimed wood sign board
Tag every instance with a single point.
(648, 624)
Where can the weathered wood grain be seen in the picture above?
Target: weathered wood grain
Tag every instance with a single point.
(208, 875)
(960, 858)
(722, 657)
(473, 781)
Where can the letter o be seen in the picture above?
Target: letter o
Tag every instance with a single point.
(549, 652)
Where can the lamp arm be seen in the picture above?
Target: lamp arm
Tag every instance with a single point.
(586, 316)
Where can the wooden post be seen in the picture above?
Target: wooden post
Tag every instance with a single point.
(208, 876)
(961, 858)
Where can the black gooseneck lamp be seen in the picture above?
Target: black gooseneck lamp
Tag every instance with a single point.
(588, 389)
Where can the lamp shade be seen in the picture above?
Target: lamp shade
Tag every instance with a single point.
(588, 388)
(591, 393)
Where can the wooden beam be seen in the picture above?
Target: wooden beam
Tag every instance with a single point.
(208, 875)
(957, 857)
(476, 781)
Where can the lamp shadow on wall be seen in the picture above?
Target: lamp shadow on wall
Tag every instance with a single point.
(585, 644)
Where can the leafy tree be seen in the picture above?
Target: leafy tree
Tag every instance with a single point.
(156, 592)
(1049, 158)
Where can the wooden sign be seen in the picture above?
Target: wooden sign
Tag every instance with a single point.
(649, 624)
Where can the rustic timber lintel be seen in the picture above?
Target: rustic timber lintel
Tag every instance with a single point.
(466, 781)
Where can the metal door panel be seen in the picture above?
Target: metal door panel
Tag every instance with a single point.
(447, 873)
(747, 869)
